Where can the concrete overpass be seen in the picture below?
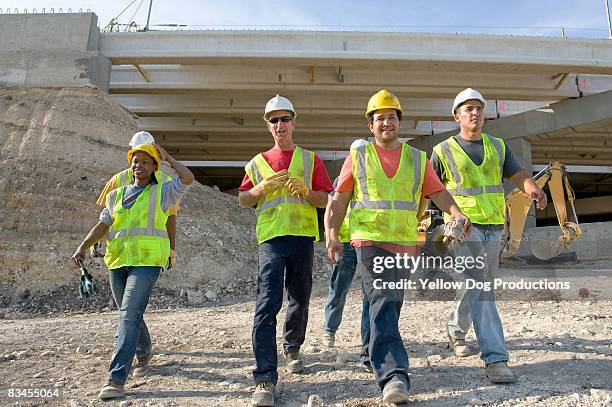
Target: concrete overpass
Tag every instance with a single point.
(201, 93)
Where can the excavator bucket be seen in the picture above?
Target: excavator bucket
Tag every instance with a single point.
(542, 249)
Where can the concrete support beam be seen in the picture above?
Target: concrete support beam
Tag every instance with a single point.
(586, 206)
(254, 125)
(241, 105)
(428, 51)
(585, 169)
(52, 50)
(405, 81)
(573, 114)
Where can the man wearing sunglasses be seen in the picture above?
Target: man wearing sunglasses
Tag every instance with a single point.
(287, 183)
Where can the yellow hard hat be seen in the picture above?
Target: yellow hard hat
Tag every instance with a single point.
(147, 148)
(383, 100)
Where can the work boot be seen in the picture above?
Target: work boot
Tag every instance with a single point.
(111, 390)
(395, 391)
(459, 346)
(263, 394)
(499, 372)
(293, 362)
(329, 339)
(141, 368)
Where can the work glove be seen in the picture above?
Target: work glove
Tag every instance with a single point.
(171, 260)
(273, 182)
(88, 285)
(96, 250)
(296, 186)
(455, 232)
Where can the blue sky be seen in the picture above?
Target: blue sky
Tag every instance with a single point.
(518, 17)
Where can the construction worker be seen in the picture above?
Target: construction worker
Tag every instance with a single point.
(472, 166)
(340, 282)
(287, 183)
(384, 182)
(134, 223)
(125, 177)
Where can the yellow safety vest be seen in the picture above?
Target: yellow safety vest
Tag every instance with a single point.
(384, 209)
(280, 213)
(125, 177)
(477, 189)
(344, 233)
(138, 235)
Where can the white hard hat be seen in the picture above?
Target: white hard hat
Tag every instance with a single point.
(464, 96)
(142, 137)
(358, 143)
(278, 102)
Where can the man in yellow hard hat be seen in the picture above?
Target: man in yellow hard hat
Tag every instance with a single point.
(126, 176)
(383, 182)
(472, 166)
(286, 183)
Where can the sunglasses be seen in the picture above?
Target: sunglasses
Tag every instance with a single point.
(283, 119)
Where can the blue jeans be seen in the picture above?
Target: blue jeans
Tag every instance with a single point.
(339, 284)
(288, 260)
(131, 287)
(478, 305)
(388, 356)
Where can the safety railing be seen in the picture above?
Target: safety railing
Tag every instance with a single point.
(43, 10)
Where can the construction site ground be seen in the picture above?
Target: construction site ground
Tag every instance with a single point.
(560, 349)
(58, 146)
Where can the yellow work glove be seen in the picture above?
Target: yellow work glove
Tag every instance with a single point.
(296, 186)
(273, 182)
(171, 260)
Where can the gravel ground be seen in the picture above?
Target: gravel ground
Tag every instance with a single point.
(561, 351)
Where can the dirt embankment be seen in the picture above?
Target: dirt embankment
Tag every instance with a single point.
(57, 149)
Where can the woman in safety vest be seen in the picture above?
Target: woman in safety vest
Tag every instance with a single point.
(134, 223)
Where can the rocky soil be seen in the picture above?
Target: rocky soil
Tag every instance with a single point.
(58, 147)
(560, 349)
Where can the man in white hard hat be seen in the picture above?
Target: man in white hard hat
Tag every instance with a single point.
(125, 177)
(286, 183)
(384, 182)
(472, 166)
(341, 279)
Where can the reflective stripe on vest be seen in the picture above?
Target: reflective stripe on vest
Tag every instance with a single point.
(280, 213)
(366, 202)
(138, 235)
(479, 193)
(384, 209)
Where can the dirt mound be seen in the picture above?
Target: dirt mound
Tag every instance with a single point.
(58, 146)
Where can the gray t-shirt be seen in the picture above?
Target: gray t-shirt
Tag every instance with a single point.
(475, 150)
(172, 192)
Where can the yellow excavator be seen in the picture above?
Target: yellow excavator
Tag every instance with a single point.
(517, 207)
(431, 224)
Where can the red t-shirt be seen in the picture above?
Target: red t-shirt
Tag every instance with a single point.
(280, 160)
(389, 159)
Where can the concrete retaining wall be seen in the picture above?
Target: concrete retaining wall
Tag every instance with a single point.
(52, 50)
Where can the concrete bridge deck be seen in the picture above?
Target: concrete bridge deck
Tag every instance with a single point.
(201, 93)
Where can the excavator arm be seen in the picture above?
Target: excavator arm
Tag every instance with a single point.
(517, 207)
